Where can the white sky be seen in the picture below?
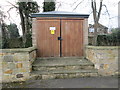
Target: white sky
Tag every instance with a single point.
(69, 5)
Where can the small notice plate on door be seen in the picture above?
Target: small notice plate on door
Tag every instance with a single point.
(52, 31)
(52, 28)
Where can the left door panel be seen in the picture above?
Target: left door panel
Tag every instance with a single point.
(48, 44)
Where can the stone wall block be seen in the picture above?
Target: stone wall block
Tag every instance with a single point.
(26, 64)
(8, 58)
(104, 58)
(5, 78)
(8, 71)
(21, 57)
(1, 58)
(19, 65)
(0, 66)
(10, 65)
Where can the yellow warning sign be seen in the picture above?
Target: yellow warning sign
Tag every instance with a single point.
(52, 31)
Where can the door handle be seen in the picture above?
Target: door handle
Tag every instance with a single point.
(59, 38)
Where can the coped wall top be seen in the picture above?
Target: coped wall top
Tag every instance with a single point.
(59, 14)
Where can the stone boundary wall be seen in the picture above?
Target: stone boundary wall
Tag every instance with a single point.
(15, 64)
(105, 58)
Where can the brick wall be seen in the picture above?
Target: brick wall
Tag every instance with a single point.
(105, 58)
(15, 64)
(85, 34)
(34, 31)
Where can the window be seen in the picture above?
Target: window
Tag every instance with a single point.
(91, 29)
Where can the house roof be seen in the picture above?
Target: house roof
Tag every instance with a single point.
(59, 14)
(99, 25)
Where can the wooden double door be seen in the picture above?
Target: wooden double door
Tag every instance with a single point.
(56, 38)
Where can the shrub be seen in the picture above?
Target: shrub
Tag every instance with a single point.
(112, 39)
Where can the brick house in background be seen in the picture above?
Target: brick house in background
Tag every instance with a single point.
(119, 14)
(102, 30)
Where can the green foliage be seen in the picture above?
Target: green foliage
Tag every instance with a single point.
(0, 44)
(15, 43)
(4, 36)
(4, 43)
(13, 30)
(49, 6)
(28, 7)
(25, 9)
(115, 36)
(101, 40)
(10, 36)
(29, 40)
(112, 39)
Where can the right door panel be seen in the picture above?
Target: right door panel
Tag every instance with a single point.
(72, 35)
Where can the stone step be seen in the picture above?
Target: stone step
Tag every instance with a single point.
(57, 74)
(67, 67)
(61, 62)
(48, 64)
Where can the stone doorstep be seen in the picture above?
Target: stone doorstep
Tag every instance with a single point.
(62, 62)
(58, 58)
(52, 68)
(66, 71)
(48, 68)
(63, 74)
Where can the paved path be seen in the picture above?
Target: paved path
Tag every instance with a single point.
(92, 82)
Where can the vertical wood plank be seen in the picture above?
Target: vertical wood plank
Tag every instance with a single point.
(72, 34)
(47, 44)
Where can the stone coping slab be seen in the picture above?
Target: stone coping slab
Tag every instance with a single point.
(17, 50)
(103, 47)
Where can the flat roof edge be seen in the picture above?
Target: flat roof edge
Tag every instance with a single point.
(60, 15)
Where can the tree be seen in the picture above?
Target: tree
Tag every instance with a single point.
(112, 39)
(4, 35)
(115, 35)
(2, 17)
(25, 9)
(13, 30)
(96, 17)
(49, 6)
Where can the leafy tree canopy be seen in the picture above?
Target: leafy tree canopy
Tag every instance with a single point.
(49, 6)
(13, 30)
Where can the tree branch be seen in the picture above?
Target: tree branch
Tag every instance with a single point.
(78, 5)
(94, 12)
(9, 13)
(12, 4)
(99, 13)
(74, 3)
(58, 6)
(106, 10)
